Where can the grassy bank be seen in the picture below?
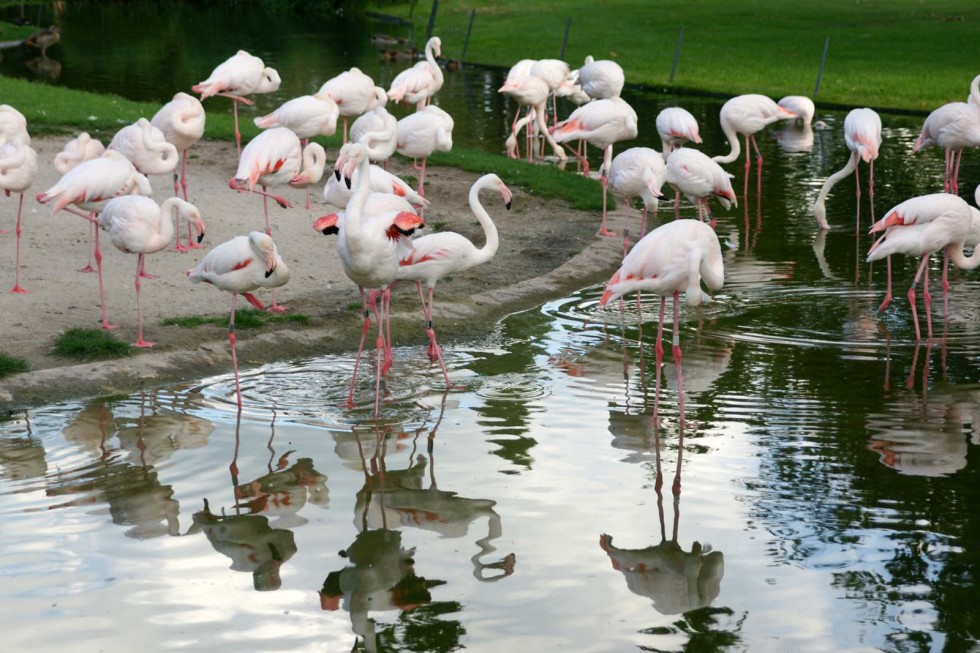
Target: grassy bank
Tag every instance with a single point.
(903, 54)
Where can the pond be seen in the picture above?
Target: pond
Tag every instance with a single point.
(829, 471)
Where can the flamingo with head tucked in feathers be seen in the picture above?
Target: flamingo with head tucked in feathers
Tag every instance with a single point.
(18, 167)
(355, 94)
(676, 126)
(81, 148)
(182, 123)
(693, 174)
(423, 133)
(637, 172)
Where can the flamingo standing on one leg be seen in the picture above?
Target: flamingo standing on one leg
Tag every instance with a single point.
(89, 186)
(138, 225)
(953, 127)
(182, 123)
(695, 175)
(417, 85)
(240, 266)
(748, 115)
(637, 172)
(602, 123)
(921, 226)
(862, 133)
(422, 133)
(671, 259)
(240, 75)
(355, 94)
(81, 148)
(676, 126)
(438, 255)
(18, 166)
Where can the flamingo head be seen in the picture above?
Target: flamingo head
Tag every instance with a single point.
(328, 224)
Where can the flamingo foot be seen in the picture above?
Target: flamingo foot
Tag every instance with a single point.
(17, 290)
(147, 275)
(433, 352)
(606, 233)
(181, 248)
(277, 308)
(885, 302)
(108, 327)
(87, 268)
(194, 245)
(143, 343)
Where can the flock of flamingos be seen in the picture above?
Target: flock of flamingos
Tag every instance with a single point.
(107, 186)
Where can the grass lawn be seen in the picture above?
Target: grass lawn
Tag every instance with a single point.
(902, 54)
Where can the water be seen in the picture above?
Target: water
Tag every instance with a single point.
(828, 472)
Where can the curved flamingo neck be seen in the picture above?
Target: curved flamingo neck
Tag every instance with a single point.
(733, 142)
(355, 205)
(431, 58)
(975, 91)
(172, 208)
(492, 241)
(818, 207)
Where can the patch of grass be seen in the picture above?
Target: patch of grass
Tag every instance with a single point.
(353, 306)
(11, 365)
(90, 345)
(245, 318)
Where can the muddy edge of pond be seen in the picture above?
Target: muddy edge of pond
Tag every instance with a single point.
(546, 249)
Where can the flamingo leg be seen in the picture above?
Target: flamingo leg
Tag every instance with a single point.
(927, 302)
(421, 190)
(758, 159)
(98, 264)
(183, 173)
(911, 295)
(435, 352)
(91, 247)
(234, 354)
(360, 348)
(888, 291)
(603, 230)
(274, 306)
(659, 352)
(945, 287)
(955, 181)
(238, 134)
(677, 355)
(748, 165)
(871, 188)
(178, 247)
(17, 289)
(626, 229)
(141, 260)
(389, 354)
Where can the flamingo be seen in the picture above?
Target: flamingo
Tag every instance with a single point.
(311, 172)
(240, 266)
(81, 148)
(953, 127)
(637, 172)
(417, 85)
(672, 258)
(862, 133)
(336, 192)
(676, 126)
(368, 254)
(182, 123)
(602, 123)
(378, 131)
(601, 80)
(13, 126)
(800, 105)
(240, 75)
(147, 148)
(422, 133)
(355, 94)
(515, 76)
(554, 72)
(748, 114)
(138, 225)
(533, 92)
(436, 256)
(89, 186)
(18, 167)
(921, 226)
(692, 173)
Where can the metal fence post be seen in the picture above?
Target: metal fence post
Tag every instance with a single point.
(564, 41)
(466, 41)
(823, 60)
(677, 54)
(432, 20)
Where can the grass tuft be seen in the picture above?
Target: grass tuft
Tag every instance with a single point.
(11, 365)
(90, 345)
(245, 318)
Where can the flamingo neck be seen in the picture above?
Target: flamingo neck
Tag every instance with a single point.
(733, 142)
(492, 239)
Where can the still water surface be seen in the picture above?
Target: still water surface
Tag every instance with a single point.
(829, 469)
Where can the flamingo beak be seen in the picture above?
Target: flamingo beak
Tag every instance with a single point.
(507, 195)
(199, 225)
(270, 264)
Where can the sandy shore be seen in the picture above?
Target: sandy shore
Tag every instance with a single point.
(546, 249)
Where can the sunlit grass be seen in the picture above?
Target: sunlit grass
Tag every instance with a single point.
(90, 344)
(11, 365)
(245, 318)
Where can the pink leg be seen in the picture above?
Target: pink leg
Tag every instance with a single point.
(947, 159)
(183, 173)
(380, 345)
(435, 352)
(927, 302)
(238, 134)
(360, 348)
(91, 247)
(274, 307)
(603, 230)
(143, 273)
(234, 354)
(748, 166)
(871, 189)
(17, 290)
(582, 161)
(945, 286)
(389, 354)
(178, 247)
(758, 158)
(677, 355)
(345, 130)
(677, 204)
(888, 292)
(857, 192)
(643, 223)
(139, 305)
(626, 229)
(911, 295)
(421, 190)
(98, 265)
(659, 351)
(955, 181)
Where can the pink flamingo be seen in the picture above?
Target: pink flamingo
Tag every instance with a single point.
(355, 94)
(602, 123)
(417, 85)
(377, 130)
(240, 75)
(862, 133)
(13, 126)
(515, 77)
(921, 226)
(601, 80)
(676, 126)
(81, 148)
(748, 115)
(240, 266)
(637, 172)
(18, 167)
(182, 123)
(800, 105)
(953, 127)
(369, 251)
(422, 133)
(670, 259)
(554, 72)
(336, 192)
(89, 186)
(693, 174)
(138, 225)
(435, 256)
(533, 92)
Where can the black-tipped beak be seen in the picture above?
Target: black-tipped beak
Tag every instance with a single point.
(200, 237)
(329, 231)
(336, 173)
(508, 204)
(268, 273)
(347, 181)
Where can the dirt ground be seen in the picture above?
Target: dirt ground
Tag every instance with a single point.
(546, 249)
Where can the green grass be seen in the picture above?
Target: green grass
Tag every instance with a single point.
(245, 318)
(902, 54)
(90, 345)
(11, 365)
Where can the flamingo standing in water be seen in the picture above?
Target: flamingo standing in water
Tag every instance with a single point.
(355, 94)
(601, 80)
(862, 133)
(422, 133)
(953, 127)
(182, 123)
(554, 72)
(515, 76)
(637, 172)
(435, 256)
(676, 126)
(671, 259)
(417, 85)
(240, 266)
(138, 225)
(695, 175)
(18, 167)
(602, 123)
(921, 226)
(748, 115)
(532, 92)
(800, 105)
(81, 148)
(89, 186)
(240, 75)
